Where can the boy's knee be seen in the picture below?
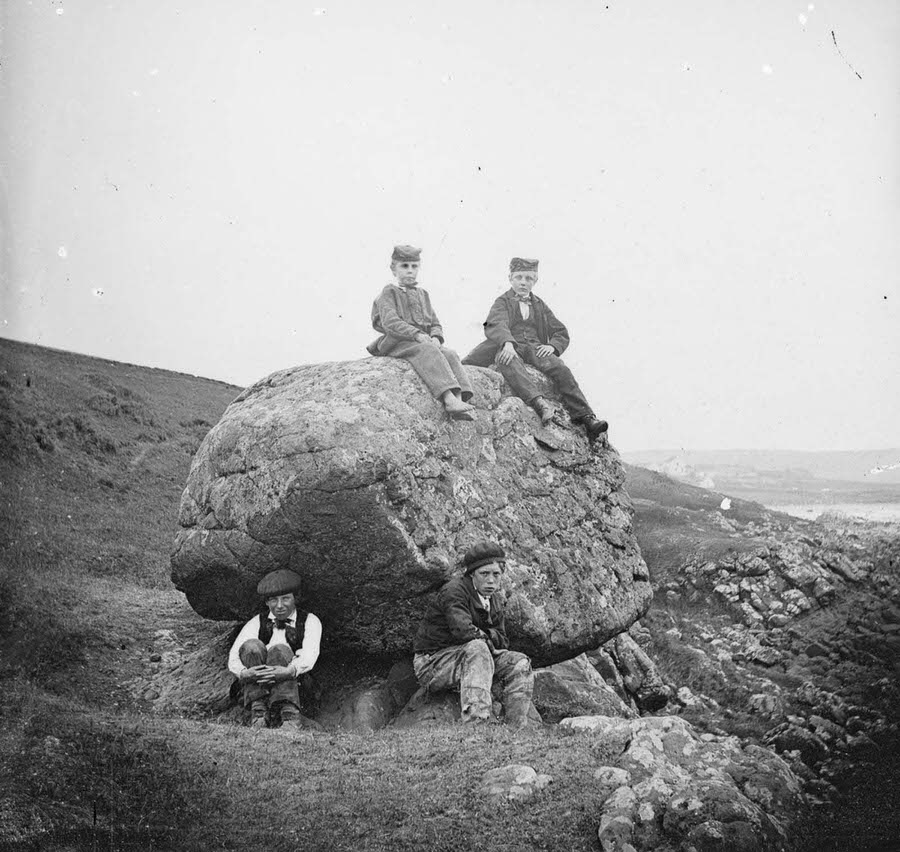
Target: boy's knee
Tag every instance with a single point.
(252, 653)
(279, 655)
(477, 651)
(556, 369)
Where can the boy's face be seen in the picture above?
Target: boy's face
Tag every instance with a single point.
(405, 271)
(487, 578)
(282, 606)
(522, 281)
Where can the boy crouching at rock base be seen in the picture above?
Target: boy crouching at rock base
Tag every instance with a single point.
(273, 649)
(409, 328)
(461, 642)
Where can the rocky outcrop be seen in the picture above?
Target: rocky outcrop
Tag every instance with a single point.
(350, 474)
(673, 789)
(575, 688)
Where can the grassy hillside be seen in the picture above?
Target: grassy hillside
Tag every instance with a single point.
(92, 463)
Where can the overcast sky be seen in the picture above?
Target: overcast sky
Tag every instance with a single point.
(713, 191)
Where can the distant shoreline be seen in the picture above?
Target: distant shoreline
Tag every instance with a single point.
(879, 512)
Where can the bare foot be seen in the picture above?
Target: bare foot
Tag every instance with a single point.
(453, 404)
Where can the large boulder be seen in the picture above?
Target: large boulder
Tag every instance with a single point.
(351, 474)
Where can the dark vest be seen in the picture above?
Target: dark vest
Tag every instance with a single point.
(294, 635)
(524, 330)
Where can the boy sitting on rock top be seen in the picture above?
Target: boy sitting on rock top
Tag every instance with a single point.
(521, 329)
(410, 329)
(273, 649)
(461, 642)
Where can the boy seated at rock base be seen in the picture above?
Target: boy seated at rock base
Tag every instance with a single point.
(461, 642)
(273, 649)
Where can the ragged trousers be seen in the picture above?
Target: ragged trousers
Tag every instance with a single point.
(473, 667)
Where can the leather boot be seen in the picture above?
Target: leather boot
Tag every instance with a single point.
(258, 714)
(543, 409)
(478, 705)
(594, 427)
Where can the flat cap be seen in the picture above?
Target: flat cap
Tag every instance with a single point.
(280, 582)
(524, 264)
(481, 554)
(406, 253)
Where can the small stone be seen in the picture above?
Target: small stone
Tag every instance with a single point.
(763, 703)
(514, 782)
(52, 744)
(155, 658)
(612, 776)
(765, 656)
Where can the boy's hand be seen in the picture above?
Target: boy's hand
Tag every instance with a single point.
(421, 337)
(274, 674)
(252, 674)
(544, 350)
(506, 354)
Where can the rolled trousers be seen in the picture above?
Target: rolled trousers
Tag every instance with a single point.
(552, 366)
(473, 667)
(254, 653)
(437, 366)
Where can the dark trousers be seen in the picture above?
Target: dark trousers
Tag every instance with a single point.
(254, 653)
(551, 366)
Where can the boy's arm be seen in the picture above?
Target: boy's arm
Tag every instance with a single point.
(386, 318)
(435, 329)
(249, 631)
(459, 617)
(496, 326)
(308, 652)
(558, 333)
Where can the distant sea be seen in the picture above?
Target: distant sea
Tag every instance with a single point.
(864, 511)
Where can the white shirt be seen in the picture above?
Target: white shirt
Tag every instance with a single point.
(304, 657)
(485, 602)
(525, 309)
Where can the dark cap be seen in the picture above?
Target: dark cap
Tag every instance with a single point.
(280, 582)
(523, 264)
(405, 253)
(483, 553)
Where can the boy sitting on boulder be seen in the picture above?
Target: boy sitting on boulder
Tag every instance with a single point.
(410, 329)
(521, 329)
(273, 649)
(461, 642)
